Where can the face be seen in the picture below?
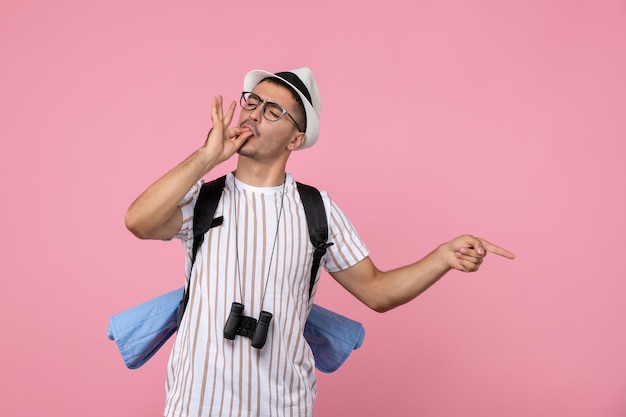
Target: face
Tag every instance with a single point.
(271, 138)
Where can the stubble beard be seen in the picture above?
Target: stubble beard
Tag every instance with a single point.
(245, 148)
(248, 153)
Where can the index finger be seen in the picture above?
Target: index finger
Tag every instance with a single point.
(497, 249)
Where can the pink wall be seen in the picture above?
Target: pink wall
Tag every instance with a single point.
(505, 119)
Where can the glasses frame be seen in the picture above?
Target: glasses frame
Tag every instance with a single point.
(243, 100)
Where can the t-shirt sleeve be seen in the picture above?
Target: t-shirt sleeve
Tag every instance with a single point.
(348, 249)
(187, 204)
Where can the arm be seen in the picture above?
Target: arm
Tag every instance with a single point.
(385, 290)
(155, 213)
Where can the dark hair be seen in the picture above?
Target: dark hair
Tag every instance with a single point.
(300, 112)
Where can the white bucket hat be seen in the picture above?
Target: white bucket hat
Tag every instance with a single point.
(302, 82)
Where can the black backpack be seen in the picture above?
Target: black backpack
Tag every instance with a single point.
(203, 212)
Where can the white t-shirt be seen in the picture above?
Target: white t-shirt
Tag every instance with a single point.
(261, 257)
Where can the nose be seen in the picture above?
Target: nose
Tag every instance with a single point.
(256, 114)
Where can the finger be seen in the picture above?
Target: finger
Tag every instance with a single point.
(229, 114)
(466, 266)
(236, 131)
(215, 118)
(468, 263)
(468, 242)
(220, 109)
(469, 258)
(238, 141)
(497, 249)
(474, 252)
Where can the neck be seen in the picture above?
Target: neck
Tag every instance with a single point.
(258, 174)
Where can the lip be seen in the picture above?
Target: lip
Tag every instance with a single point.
(250, 125)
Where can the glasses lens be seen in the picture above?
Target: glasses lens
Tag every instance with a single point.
(273, 112)
(249, 101)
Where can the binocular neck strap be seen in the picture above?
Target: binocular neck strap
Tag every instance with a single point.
(269, 267)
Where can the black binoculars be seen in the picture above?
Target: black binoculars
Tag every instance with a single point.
(238, 324)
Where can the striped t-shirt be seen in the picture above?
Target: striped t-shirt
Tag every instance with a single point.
(259, 256)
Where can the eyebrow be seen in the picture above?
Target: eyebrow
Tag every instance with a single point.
(264, 99)
(273, 102)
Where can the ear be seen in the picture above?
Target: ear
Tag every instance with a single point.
(296, 141)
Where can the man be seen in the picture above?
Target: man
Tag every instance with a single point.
(260, 257)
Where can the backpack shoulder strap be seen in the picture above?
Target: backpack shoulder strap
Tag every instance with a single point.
(317, 223)
(203, 212)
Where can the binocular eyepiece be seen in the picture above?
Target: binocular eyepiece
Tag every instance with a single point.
(238, 324)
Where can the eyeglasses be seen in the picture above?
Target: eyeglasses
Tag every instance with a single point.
(271, 111)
